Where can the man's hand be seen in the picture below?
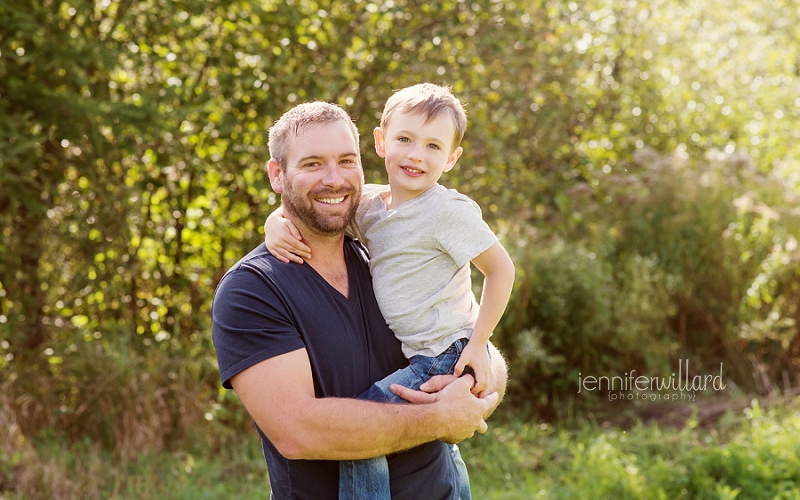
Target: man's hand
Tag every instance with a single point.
(439, 382)
(466, 413)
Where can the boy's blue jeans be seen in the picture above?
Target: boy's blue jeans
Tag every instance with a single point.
(369, 478)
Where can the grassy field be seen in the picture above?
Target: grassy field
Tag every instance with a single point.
(750, 454)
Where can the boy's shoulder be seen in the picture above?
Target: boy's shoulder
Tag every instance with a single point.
(370, 191)
(455, 200)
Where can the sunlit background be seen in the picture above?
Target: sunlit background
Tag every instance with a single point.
(640, 161)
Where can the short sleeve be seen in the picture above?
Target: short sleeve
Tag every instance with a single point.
(460, 230)
(250, 323)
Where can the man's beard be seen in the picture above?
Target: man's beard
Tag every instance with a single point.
(303, 208)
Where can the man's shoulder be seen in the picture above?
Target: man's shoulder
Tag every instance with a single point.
(356, 251)
(258, 259)
(260, 270)
(261, 262)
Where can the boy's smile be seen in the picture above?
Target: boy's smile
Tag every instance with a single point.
(416, 153)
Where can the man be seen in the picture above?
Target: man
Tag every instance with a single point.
(298, 342)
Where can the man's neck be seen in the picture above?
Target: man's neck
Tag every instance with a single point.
(327, 256)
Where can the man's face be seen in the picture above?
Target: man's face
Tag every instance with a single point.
(320, 184)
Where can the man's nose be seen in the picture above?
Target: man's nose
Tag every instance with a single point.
(332, 175)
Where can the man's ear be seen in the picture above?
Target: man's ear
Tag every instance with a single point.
(453, 158)
(275, 175)
(379, 142)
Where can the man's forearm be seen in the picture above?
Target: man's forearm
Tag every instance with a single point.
(302, 426)
(349, 429)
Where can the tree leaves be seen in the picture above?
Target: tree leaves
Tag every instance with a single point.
(133, 133)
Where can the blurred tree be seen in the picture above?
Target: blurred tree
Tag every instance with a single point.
(133, 143)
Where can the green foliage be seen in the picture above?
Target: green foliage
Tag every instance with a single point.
(84, 470)
(573, 313)
(755, 457)
(132, 151)
(114, 396)
(667, 266)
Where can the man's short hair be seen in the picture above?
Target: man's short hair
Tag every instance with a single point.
(298, 117)
(431, 101)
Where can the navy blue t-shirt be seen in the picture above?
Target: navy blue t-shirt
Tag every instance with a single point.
(264, 308)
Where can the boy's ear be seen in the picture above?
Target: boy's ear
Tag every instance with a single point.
(275, 175)
(453, 158)
(380, 142)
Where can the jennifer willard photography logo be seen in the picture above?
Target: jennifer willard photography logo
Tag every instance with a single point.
(632, 387)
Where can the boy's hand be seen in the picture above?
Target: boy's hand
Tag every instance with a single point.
(283, 240)
(476, 357)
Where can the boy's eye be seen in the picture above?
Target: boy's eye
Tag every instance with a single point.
(434, 146)
(403, 139)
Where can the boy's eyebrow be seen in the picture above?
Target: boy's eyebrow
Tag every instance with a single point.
(409, 132)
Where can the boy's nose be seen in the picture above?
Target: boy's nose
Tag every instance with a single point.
(415, 154)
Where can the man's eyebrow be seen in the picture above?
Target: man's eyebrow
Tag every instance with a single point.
(316, 157)
(306, 158)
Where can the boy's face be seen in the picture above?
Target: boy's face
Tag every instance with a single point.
(416, 153)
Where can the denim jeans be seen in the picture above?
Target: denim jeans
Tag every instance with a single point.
(369, 478)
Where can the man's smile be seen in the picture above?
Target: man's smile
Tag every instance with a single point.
(331, 201)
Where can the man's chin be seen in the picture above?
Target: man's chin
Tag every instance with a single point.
(328, 225)
(330, 222)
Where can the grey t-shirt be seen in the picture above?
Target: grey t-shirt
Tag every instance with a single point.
(419, 259)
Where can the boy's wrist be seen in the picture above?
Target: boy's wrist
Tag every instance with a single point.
(479, 339)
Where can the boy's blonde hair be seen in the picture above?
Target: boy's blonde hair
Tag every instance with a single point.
(430, 101)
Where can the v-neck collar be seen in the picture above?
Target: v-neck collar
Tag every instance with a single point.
(351, 279)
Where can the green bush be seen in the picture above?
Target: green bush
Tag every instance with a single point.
(674, 259)
(572, 313)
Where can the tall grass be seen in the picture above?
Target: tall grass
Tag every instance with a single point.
(105, 418)
(751, 455)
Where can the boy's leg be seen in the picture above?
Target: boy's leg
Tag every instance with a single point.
(370, 478)
(465, 493)
(419, 371)
(412, 376)
(361, 479)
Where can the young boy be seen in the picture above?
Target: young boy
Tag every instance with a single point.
(421, 238)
